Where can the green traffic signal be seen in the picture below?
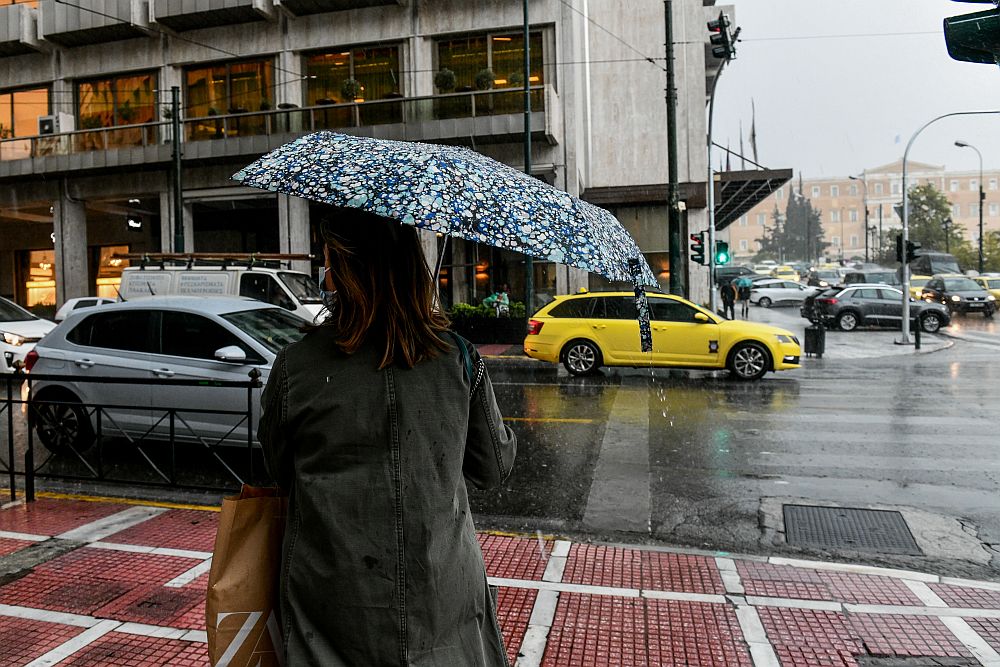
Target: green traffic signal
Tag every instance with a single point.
(722, 256)
(974, 38)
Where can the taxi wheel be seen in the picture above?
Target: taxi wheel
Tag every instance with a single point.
(764, 302)
(581, 357)
(62, 423)
(749, 361)
(930, 322)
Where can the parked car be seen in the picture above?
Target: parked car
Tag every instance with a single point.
(726, 274)
(881, 276)
(590, 330)
(81, 302)
(767, 293)
(195, 338)
(876, 304)
(822, 277)
(808, 307)
(960, 294)
(990, 283)
(21, 330)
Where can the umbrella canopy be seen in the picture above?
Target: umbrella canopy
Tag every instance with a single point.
(455, 191)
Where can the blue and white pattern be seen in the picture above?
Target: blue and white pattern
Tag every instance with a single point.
(455, 191)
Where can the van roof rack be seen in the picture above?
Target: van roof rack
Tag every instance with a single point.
(225, 258)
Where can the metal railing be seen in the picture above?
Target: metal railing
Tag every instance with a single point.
(153, 449)
(287, 120)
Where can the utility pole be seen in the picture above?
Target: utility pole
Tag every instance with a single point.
(529, 265)
(175, 123)
(673, 185)
(712, 300)
(982, 196)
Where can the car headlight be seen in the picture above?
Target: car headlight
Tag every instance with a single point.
(823, 283)
(990, 297)
(782, 338)
(955, 297)
(13, 339)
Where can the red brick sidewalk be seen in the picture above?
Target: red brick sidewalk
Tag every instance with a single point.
(134, 595)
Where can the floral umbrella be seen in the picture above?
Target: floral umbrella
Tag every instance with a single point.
(459, 192)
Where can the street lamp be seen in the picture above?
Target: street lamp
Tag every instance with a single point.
(982, 196)
(861, 179)
(946, 223)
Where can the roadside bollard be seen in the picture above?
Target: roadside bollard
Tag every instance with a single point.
(916, 333)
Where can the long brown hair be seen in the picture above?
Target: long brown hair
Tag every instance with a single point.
(385, 291)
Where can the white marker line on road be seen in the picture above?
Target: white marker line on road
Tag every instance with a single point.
(68, 648)
(855, 569)
(557, 561)
(536, 636)
(924, 593)
(186, 578)
(27, 537)
(48, 616)
(940, 612)
(730, 576)
(755, 636)
(109, 525)
(144, 630)
(145, 549)
(981, 650)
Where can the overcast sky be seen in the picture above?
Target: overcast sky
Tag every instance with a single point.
(834, 105)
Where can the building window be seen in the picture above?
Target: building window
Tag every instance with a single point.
(973, 210)
(836, 241)
(330, 81)
(834, 191)
(853, 190)
(815, 191)
(109, 270)
(757, 246)
(39, 280)
(228, 88)
(994, 209)
(878, 188)
(993, 184)
(19, 112)
(779, 194)
(743, 244)
(953, 186)
(834, 216)
(33, 3)
(974, 184)
(896, 188)
(743, 221)
(854, 240)
(956, 211)
(853, 215)
(128, 99)
(761, 219)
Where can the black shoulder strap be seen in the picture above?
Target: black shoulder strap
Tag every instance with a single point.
(465, 355)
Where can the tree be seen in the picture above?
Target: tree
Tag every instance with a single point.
(798, 234)
(930, 221)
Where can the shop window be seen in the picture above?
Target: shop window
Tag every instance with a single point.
(19, 112)
(115, 102)
(228, 88)
(109, 270)
(39, 279)
(368, 75)
(473, 58)
(30, 3)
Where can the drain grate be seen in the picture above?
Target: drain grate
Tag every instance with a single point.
(849, 528)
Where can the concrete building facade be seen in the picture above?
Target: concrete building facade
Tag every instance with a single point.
(841, 203)
(86, 137)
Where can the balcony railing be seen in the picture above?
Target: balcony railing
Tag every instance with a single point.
(291, 120)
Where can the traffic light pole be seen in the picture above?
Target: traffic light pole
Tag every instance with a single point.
(713, 297)
(673, 184)
(904, 338)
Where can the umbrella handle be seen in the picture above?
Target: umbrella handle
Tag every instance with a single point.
(437, 272)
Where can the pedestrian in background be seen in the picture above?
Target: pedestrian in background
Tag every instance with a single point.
(375, 423)
(743, 285)
(728, 293)
(499, 301)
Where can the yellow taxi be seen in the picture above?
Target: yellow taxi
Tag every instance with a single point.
(991, 284)
(589, 330)
(785, 273)
(917, 286)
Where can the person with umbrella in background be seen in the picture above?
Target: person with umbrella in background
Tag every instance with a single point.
(375, 423)
(743, 286)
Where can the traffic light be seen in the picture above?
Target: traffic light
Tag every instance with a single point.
(721, 253)
(911, 249)
(974, 38)
(723, 41)
(698, 248)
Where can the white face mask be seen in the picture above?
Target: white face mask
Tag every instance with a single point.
(329, 297)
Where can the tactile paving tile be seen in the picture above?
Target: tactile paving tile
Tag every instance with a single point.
(58, 593)
(154, 605)
(194, 655)
(22, 640)
(514, 607)
(752, 570)
(113, 565)
(795, 590)
(810, 638)
(177, 529)
(694, 633)
(680, 572)
(9, 546)
(515, 557)
(48, 516)
(603, 566)
(868, 589)
(963, 596)
(193, 618)
(988, 629)
(117, 649)
(597, 630)
(898, 635)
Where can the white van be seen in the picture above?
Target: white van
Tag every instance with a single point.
(292, 290)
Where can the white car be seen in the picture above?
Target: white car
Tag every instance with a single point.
(157, 338)
(20, 329)
(767, 293)
(81, 302)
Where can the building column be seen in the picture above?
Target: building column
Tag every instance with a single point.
(570, 280)
(167, 224)
(293, 230)
(459, 275)
(69, 218)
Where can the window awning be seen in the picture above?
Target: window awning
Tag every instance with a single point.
(736, 192)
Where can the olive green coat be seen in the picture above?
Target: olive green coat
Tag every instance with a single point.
(381, 565)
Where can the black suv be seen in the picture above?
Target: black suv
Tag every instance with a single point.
(959, 294)
(823, 277)
(875, 305)
(726, 274)
(878, 276)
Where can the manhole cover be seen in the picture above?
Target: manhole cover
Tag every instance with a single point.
(841, 528)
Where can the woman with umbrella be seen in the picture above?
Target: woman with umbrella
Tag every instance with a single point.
(375, 423)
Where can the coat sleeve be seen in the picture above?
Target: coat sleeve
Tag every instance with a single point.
(490, 446)
(272, 430)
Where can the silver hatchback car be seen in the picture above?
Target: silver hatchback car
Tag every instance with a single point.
(170, 337)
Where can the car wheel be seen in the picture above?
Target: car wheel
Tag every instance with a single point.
(764, 302)
(581, 357)
(988, 314)
(62, 424)
(930, 322)
(847, 321)
(749, 361)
